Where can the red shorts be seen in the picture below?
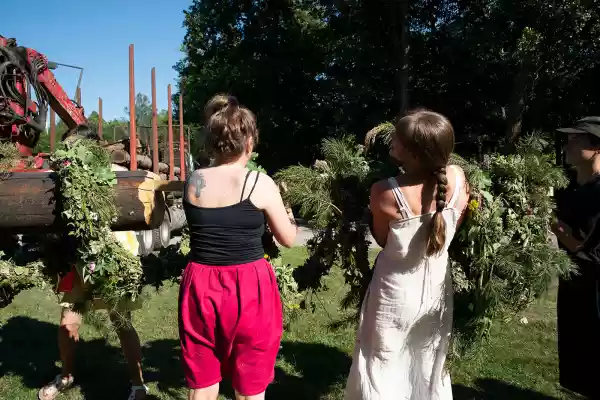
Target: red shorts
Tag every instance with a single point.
(230, 325)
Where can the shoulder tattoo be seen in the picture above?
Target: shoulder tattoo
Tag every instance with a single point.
(196, 182)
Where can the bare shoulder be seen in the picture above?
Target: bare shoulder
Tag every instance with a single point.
(264, 179)
(380, 187)
(381, 193)
(264, 191)
(458, 173)
(194, 184)
(457, 170)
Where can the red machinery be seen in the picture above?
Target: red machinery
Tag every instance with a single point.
(28, 93)
(25, 72)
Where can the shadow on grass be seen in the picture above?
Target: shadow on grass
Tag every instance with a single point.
(492, 389)
(29, 350)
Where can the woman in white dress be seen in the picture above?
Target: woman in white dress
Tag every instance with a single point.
(406, 317)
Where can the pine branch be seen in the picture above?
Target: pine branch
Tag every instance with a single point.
(383, 131)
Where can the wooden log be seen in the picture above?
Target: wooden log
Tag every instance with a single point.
(121, 157)
(168, 186)
(29, 203)
(144, 162)
(110, 147)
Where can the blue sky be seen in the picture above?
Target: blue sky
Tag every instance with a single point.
(96, 35)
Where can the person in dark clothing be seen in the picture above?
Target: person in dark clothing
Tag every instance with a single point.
(577, 229)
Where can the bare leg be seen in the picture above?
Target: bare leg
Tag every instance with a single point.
(209, 393)
(132, 349)
(260, 396)
(68, 336)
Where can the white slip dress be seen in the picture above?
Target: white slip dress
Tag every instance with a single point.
(406, 317)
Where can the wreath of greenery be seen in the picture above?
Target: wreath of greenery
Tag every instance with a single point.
(85, 192)
(501, 258)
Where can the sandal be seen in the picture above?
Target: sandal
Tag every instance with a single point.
(54, 388)
(135, 389)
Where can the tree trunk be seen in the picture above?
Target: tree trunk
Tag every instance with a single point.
(516, 105)
(401, 46)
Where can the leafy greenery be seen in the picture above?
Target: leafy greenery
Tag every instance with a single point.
(85, 189)
(501, 258)
(109, 271)
(9, 156)
(15, 278)
(333, 195)
(346, 65)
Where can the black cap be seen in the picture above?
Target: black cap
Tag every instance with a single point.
(587, 125)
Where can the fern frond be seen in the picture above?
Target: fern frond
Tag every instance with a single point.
(310, 190)
(344, 158)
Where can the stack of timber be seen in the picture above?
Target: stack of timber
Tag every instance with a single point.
(119, 152)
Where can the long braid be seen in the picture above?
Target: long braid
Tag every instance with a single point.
(437, 236)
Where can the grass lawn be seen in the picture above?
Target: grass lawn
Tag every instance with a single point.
(519, 362)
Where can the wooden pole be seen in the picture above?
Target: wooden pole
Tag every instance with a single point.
(100, 117)
(154, 125)
(181, 138)
(171, 151)
(132, 126)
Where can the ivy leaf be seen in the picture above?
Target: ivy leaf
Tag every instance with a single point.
(487, 196)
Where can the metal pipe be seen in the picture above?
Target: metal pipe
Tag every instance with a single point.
(155, 159)
(171, 151)
(181, 138)
(132, 128)
(52, 129)
(100, 117)
(53, 64)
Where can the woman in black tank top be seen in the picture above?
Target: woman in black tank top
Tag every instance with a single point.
(230, 313)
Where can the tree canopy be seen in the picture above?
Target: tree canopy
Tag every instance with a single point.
(312, 69)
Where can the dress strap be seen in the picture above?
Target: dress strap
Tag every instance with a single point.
(400, 202)
(457, 188)
(244, 187)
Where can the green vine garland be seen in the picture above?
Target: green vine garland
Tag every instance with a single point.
(501, 257)
(85, 190)
(110, 272)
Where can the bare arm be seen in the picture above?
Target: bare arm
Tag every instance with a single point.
(279, 218)
(380, 223)
(464, 195)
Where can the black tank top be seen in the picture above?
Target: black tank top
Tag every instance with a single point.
(227, 235)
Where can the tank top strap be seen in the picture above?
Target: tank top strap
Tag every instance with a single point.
(457, 187)
(400, 202)
(244, 187)
(254, 186)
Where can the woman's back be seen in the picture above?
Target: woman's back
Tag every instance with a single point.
(230, 313)
(408, 236)
(226, 227)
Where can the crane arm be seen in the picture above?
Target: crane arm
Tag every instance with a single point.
(22, 117)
